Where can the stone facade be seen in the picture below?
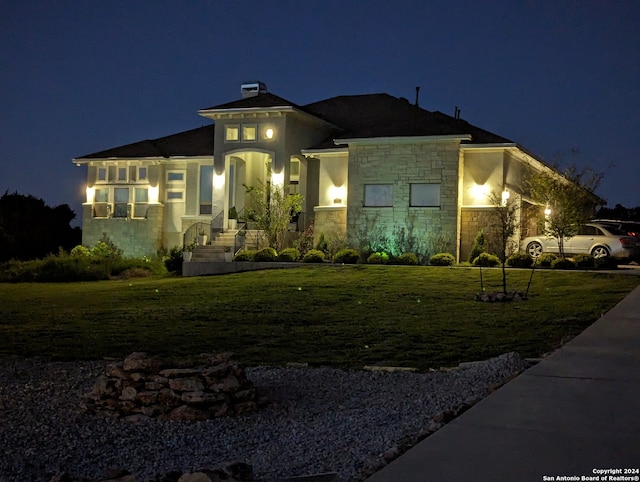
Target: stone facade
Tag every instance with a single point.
(402, 164)
(474, 220)
(142, 386)
(135, 237)
(330, 221)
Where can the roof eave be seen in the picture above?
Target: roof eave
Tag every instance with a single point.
(403, 139)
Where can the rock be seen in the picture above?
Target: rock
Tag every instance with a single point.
(147, 398)
(116, 370)
(179, 372)
(185, 384)
(188, 414)
(128, 393)
(140, 362)
(195, 477)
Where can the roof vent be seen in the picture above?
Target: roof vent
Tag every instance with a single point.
(252, 89)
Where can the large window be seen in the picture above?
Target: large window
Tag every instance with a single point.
(378, 195)
(425, 195)
(121, 202)
(206, 189)
(140, 206)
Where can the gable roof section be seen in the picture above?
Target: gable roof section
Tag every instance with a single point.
(265, 100)
(382, 115)
(194, 142)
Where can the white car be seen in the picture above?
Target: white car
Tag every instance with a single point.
(595, 239)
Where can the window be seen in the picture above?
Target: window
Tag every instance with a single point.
(122, 174)
(102, 195)
(175, 195)
(206, 189)
(249, 132)
(142, 173)
(424, 195)
(141, 198)
(121, 202)
(101, 207)
(378, 195)
(231, 133)
(101, 175)
(175, 176)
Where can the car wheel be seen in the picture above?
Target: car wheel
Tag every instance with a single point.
(599, 252)
(534, 249)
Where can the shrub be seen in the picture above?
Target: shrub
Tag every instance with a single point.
(323, 244)
(313, 256)
(605, 262)
(486, 260)
(378, 258)
(479, 246)
(519, 260)
(246, 255)
(442, 259)
(289, 255)
(546, 260)
(584, 261)
(407, 259)
(266, 254)
(347, 256)
(563, 263)
(80, 251)
(173, 260)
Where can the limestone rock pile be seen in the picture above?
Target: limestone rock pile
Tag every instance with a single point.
(142, 386)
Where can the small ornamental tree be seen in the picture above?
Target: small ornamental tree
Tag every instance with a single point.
(505, 222)
(569, 200)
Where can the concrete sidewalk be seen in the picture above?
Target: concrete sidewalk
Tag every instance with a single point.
(576, 411)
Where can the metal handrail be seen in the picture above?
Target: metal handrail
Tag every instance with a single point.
(191, 234)
(240, 239)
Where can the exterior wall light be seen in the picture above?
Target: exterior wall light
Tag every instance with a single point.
(269, 132)
(277, 178)
(218, 180)
(154, 194)
(91, 194)
(480, 190)
(337, 193)
(547, 212)
(505, 197)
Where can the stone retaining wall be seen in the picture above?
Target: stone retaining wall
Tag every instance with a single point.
(141, 387)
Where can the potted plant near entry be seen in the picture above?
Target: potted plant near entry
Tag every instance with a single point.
(233, 218)
(202, 237)
(187, 252)
(228, 255)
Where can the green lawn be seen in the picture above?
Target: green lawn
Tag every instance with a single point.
(344, 316)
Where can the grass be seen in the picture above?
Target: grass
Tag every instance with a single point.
(345, 316)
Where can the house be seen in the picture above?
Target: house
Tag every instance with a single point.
(366, 165)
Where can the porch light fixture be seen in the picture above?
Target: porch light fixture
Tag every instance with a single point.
(218, 180)
(480, 190)
(337, 193)
(547, 212)
(277, 178)
(269, 133)
(505, 197)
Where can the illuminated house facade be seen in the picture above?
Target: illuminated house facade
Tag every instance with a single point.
(361, 162)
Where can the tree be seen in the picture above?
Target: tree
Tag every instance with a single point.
(568, 198)
(272, 209)
(505, 215)
(30, 229)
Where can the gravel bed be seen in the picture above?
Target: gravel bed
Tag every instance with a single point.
(320, 420)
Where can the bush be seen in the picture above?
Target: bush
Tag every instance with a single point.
(546, 260)
(347, 256)
(584, 261)
(313, 256)
(289, 255)
(266, 254)
(442, 259)
(407, 259)
(479, 246)
(563, 263)
(519, 260)
(246, 255)
(378, 258)
(173, 260)
(487, 260)
(323, 244)
(80, 251)
(605, 262)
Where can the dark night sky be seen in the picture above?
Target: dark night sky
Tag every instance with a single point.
(82, 76)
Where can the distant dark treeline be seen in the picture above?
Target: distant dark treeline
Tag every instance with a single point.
(30, 229)
(619, 212)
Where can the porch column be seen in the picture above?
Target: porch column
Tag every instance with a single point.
(219, 196)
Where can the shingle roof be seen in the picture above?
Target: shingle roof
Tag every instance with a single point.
(263, 100)
(382, 115)
(194, 142)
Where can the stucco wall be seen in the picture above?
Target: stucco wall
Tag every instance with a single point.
(401, 164)
(135, 237)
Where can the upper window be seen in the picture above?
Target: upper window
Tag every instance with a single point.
(175, 176)
(232, 133)
(249, 132)
(101, 175)
(122, 174)
(425, 195)
(143, 173)
(175, 195)
(378, 195)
